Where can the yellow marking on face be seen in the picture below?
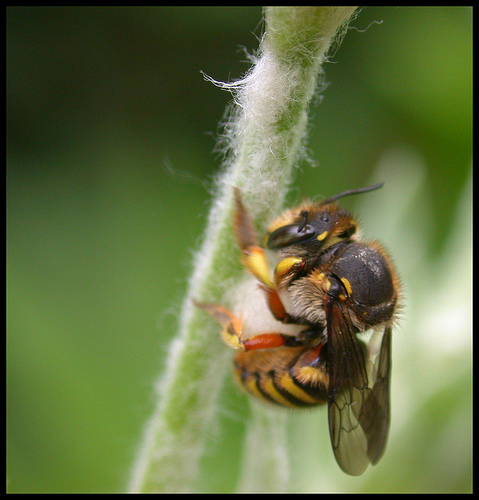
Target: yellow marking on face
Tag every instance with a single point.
(322, 236)
(289, 385)
(328, 285)
(320, 276)
(347, 285)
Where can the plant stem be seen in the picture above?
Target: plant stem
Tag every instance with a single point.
(264, 136)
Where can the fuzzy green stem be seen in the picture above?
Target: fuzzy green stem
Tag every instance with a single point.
(265, 467)
(264, 136)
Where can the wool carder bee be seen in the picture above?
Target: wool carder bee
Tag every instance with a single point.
(335, 298)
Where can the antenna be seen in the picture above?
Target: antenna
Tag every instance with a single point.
(352, 191)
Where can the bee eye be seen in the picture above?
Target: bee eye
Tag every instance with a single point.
(287, 235)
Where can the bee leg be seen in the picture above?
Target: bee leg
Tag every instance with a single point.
(233, 331)
(254, 259)
(312, 336)
(286, 268)
(232, 325)
(310, 370)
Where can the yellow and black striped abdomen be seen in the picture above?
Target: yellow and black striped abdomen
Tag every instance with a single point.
(288, 376)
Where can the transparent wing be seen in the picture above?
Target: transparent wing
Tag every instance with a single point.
(358, 393)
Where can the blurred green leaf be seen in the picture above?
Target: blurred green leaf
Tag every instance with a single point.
(110, 132)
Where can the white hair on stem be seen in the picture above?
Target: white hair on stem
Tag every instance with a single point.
(262, 141)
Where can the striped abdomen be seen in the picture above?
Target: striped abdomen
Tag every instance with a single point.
(288, 376)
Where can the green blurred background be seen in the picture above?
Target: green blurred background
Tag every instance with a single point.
(110, 136)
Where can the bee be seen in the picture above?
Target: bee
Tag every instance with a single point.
(333, 300)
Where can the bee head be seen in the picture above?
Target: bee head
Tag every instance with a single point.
(314, 227)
